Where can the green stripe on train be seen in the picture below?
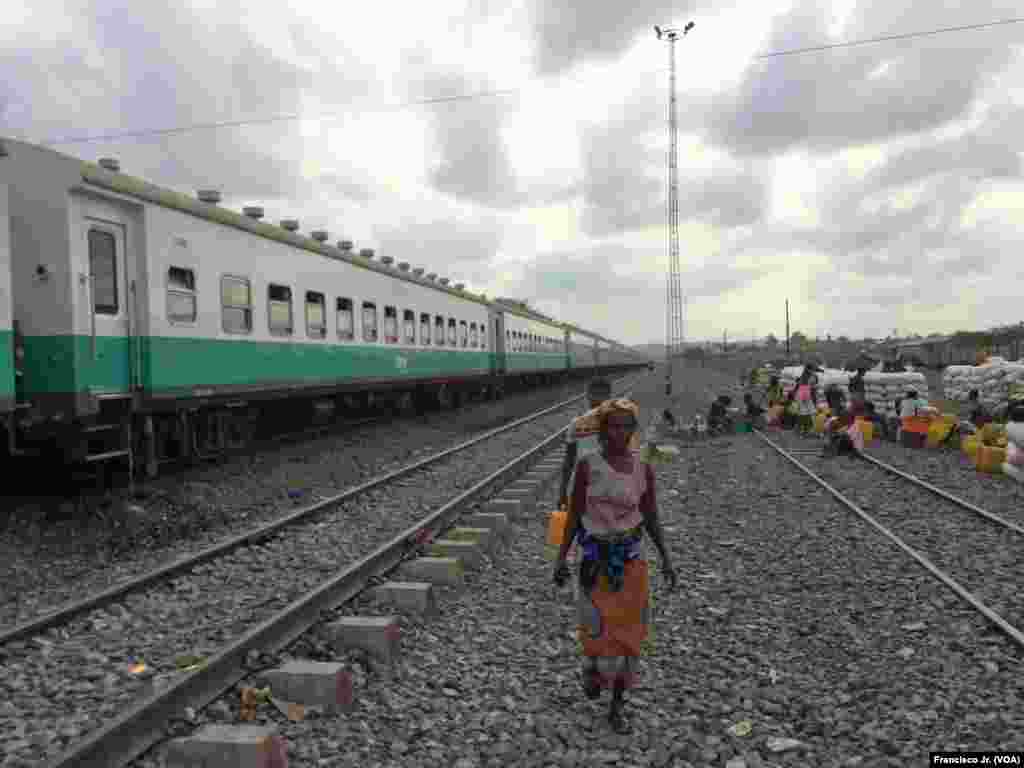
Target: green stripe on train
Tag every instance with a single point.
(6, 364)
(52, 362)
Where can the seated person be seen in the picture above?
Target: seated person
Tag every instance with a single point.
(979, 415)
(911, 404)
(718, 418)
(755, 413)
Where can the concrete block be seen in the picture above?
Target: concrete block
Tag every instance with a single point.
(377, 635)
(413, 596)
(485, 538)
(496, 521)
(468, 552)
(313, 684)
(442, 571)
(229, 746)
(511, 508)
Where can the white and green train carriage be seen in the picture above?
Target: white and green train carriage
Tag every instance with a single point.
(157, 322)
(7, 346)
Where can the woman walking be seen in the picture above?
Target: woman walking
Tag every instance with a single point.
(613, 505)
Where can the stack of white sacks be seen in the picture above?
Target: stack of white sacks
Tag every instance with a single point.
(882, 389)
(994, 381)
(1014, 464)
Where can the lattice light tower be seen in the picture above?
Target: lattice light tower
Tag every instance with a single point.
(674, 305)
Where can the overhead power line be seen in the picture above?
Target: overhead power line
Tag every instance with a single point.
(486, 93)
(887, 38)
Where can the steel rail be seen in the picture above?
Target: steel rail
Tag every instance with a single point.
(66, 612)
(143, 725)
(1011, 631)
(945, 494)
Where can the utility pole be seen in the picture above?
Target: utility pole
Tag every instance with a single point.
(674, 303)
(787, 330)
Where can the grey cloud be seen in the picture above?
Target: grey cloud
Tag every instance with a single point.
(348, 188)
(463, 249)
(168, 66)
(823, 101)
(473, 165)
(568, 32)
(587, 278)
(625, 177)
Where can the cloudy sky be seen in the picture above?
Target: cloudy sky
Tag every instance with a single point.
(878, 186)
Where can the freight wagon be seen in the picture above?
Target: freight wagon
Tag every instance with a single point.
(152, 323)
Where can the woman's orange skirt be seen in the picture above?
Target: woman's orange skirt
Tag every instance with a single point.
(614, 625)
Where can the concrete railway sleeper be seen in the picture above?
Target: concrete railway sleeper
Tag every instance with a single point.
(226, 605)
(985, 550)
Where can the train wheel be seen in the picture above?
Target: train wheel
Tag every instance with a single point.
(444, 397)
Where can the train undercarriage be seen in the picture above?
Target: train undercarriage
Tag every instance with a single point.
(197, 430)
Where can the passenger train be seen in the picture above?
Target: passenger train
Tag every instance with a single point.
(137, 321)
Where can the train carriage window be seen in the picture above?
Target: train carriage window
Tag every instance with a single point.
(438, 331)
(236, 304)
(316, 315)
(181, 295)
(103, 270)
(390, 325)
(463, 334)
(453, 340)
(279, 309)
(425, 329)
(508, 341)
(474, 336)
(369, 321)
(409, 326)
(483, 336)
(346, 320)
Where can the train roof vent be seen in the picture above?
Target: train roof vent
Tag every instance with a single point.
(366, 253)
(418, 271)
(460, 286)
(110, 164)
(404, 266)
(292, 225)
(432, 277)
(320, 235)
(208, 195)
(253, 211)
(444, 281)
(387, 260)
(346, 245)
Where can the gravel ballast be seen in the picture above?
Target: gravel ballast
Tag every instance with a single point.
(60, 686)
(793, 616)
(46, 564)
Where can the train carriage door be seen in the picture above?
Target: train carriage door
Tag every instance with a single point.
(105, 363)
(498, 344)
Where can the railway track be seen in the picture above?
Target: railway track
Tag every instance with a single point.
(984, 550)
(67, 681)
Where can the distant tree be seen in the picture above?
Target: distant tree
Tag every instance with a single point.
(771, 341)
(798, 340)
(843, 339)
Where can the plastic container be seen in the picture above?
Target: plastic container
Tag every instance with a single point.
(556, 527)
(969, 445)
(990, 460)
(937, 432)
(867, 429)
(916, 424)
